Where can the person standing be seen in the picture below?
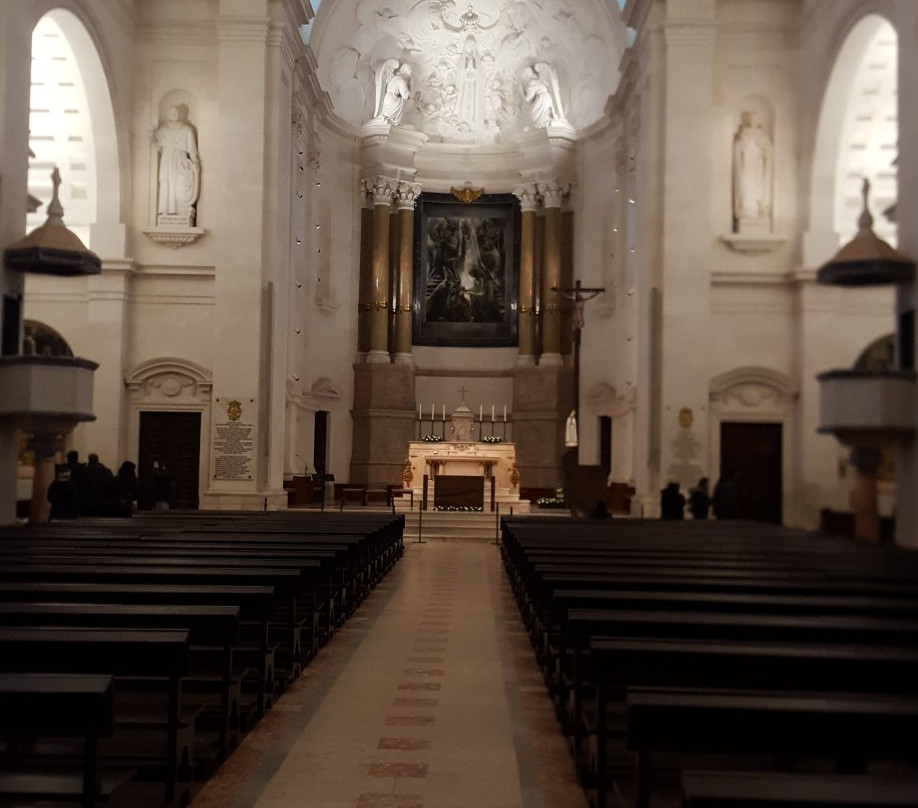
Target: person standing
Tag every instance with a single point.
(725, 501)
(672, 503)
(700, 500)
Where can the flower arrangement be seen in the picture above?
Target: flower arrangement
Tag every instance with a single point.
(463, 508)
(431, 439)
(557, 501)
(491, 439)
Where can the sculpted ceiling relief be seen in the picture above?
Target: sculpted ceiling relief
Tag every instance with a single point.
(474, 72)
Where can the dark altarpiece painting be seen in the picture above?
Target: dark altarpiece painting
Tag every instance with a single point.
(466, 270)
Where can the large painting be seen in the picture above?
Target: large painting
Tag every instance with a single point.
(466, 269)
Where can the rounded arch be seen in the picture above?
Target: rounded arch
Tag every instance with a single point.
(72, 122)
(170, 370)
(856, 132)
(753, 385)
(880, 355)
(42, 340)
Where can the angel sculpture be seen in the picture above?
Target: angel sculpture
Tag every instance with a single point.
(541, 90)
(392, 91)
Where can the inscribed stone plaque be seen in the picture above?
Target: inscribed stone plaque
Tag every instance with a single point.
(234, 439)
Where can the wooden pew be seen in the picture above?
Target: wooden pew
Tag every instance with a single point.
(704, 789)
(290, 586)
(38, 706)
(853, 728)
(207, 625)
(119, 653)
(619, 663)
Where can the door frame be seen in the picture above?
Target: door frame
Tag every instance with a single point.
(758, 395)
(170, 384)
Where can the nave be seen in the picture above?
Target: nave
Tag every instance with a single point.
(428, 696)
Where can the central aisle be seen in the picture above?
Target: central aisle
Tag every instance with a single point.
(429, 697)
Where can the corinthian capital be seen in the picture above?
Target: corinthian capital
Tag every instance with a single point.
(528, 194)
(378, 190)
(554, 193)
(406, 194)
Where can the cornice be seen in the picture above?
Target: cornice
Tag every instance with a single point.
(243, 29)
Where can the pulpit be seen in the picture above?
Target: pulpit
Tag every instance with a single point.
(450, 459)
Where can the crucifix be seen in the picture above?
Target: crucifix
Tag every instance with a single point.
(462, 392)
(579, 294)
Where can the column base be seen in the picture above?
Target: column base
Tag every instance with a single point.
(526, 361)
(244, 500)
(551, 360)
(378, 358)
(403, 359)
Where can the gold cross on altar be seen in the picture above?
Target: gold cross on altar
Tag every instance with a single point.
(462, 392)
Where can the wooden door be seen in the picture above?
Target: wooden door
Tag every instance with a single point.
(174, 439)
(753, 452)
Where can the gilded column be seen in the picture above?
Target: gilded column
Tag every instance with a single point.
(552, 193)
(529, 202)
(382, 190)
(405, 197)
(366, 270)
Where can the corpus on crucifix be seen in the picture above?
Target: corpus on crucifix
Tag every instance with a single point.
(579, 294)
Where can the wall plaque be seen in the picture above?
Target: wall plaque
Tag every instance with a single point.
(233, 439)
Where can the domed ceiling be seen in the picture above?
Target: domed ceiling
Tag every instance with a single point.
(475, 67)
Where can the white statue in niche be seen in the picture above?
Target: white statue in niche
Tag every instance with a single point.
(392, 90)
(541, 91)
(179, 171)
(752, 175)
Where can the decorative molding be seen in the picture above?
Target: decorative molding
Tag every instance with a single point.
(175, 237)
(753, 244)
(604, 398)
(755, 390)
(170, 379)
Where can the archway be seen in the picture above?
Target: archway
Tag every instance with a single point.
(856, 138)
(72, 126)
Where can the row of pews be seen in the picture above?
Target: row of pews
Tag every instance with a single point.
(715, 664)
(136, 653)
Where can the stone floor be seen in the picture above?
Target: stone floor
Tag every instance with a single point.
(429, 697)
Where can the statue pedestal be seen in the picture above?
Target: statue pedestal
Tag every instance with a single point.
(473, 459)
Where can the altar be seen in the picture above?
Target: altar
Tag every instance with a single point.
(487, 461)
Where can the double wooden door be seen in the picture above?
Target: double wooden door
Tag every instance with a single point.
(173, 439)
(752, 451)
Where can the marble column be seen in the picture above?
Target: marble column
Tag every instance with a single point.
(529, 202)
(382, 191)
(405, 197)
(366, 271)
(864, 501)
(552, 193)
(44, 447)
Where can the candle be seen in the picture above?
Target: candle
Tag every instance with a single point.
(479, 413)
(505, 413)
(443, 411)
(431, 412)
(419, 412)
(492, 413)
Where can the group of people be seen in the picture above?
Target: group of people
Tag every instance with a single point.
(724, 502)
(91, 489)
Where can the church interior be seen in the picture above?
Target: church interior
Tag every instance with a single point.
(387, 260)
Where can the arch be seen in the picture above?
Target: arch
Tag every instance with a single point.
(850, 144)
(72, 123)
(880, 355)
(753, 387)
(756, 394)
(42, 340)
(170, 377)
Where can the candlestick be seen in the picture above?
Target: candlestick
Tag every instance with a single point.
(505, 413)
(492, 413)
